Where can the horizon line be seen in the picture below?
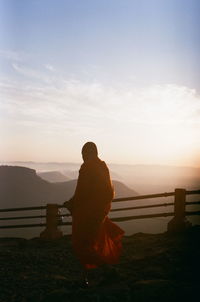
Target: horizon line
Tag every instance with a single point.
(79, 163)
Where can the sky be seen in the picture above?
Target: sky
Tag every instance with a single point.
(122, 73)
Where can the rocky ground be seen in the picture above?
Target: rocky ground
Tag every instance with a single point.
(153, 267)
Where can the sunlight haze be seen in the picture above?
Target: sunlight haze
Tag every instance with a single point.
(124, 74)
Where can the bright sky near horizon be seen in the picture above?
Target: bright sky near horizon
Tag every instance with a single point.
(122, 73)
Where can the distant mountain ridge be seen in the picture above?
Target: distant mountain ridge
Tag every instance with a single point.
(53, 176)
(21, 186)
(143, 178)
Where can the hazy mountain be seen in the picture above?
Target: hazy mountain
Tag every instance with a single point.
(145, 179)
(73, 174)
(53, 176)
(122, 190)
(44, 167)
(20, 186)
(157, 178)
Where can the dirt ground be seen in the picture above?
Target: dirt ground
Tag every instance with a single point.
(153, 267)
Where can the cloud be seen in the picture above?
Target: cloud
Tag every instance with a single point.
(30, 73)
(145, 123)
(161, 104)
(49, 94)
(67, 103)
(49, 67)
(13, 55)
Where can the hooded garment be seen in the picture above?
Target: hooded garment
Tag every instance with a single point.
(96, 239)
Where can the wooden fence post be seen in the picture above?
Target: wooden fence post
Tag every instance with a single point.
(51, 231)
(179, 222)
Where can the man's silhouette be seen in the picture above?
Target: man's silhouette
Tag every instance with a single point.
(96, 239)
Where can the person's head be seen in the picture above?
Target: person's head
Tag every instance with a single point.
(89, 151)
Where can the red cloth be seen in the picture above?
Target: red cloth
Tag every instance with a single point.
(96, 239)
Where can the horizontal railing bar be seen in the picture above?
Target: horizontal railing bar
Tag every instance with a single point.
(153, 196)
(142, 216)
(143, 207)
(192, 192)
(188, 213)
(119, 219)
(30, 217)
(28, 225)
(112, 210)
(22, 226)
(192, 202)
(67, 215)
(22, 217)
(144, 196)
(137, 197)
(23, 209)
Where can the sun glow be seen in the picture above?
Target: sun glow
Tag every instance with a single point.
(153, 124)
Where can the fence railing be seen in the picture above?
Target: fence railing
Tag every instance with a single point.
(53, 216)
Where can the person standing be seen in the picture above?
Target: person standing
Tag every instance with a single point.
(96, 239)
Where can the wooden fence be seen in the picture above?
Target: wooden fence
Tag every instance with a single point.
(53, 216)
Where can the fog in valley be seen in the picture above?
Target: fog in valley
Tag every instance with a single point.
(129, 180)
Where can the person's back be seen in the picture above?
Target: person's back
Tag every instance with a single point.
(94, 189)
(96, 239)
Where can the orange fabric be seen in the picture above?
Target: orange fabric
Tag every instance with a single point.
(96, 239)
